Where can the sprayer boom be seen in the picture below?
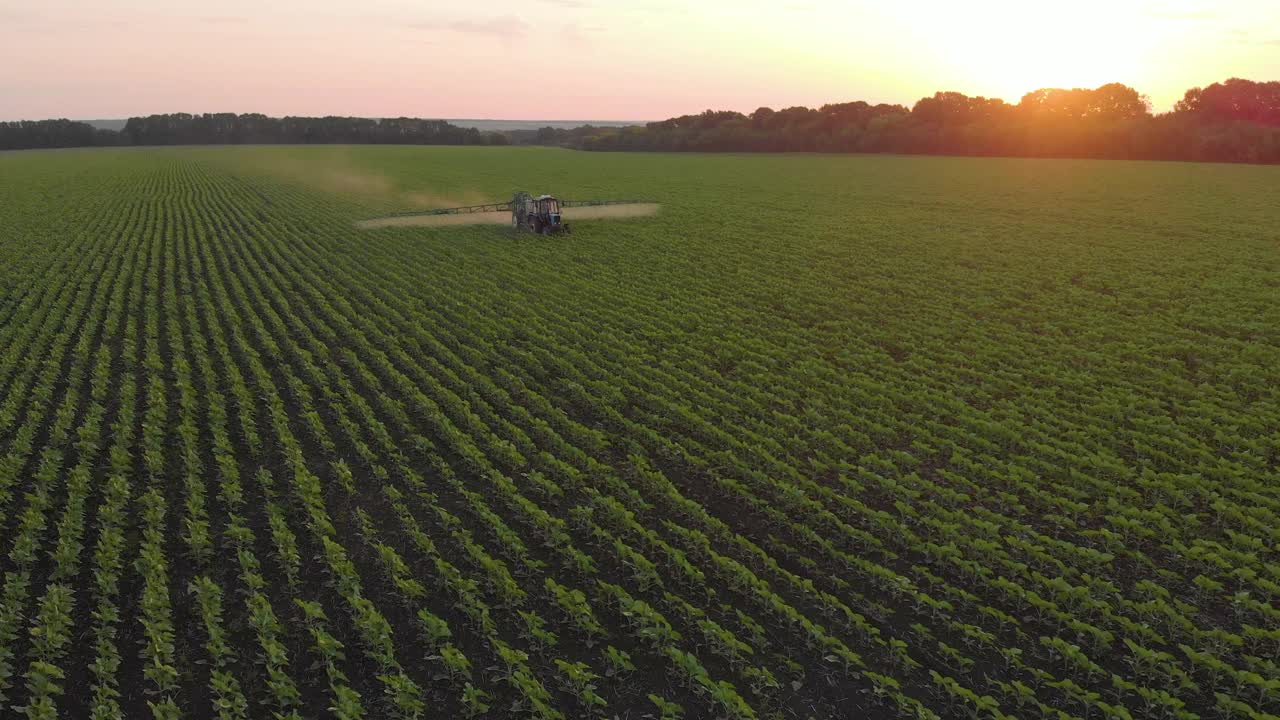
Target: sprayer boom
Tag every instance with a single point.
(537, 214)
(507, 206)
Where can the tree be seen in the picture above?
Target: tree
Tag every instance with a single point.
(1115, 101)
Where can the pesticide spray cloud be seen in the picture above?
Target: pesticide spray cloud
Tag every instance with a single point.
(336, 171)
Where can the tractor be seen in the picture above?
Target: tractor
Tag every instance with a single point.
(540, 215)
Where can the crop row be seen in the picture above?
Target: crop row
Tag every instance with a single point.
(327, 474)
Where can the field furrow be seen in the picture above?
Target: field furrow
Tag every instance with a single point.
(907, 438)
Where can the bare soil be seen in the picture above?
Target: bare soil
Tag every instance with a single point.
(504, 218)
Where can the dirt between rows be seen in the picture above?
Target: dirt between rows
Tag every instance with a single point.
(593, 212)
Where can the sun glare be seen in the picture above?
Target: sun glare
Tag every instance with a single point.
(1014, 47)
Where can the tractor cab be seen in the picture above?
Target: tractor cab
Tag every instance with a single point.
(544, 216)
(549, 210)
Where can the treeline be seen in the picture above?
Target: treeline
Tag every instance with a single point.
(25, 134)
(232, 129)
(1233, 121)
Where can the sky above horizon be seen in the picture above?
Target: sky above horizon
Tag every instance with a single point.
(603, 59)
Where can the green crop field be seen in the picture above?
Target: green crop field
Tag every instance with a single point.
(827, 437)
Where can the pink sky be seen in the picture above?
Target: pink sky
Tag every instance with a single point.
(602, 59)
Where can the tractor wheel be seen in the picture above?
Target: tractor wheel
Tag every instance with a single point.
(567, 229)
(546, 229)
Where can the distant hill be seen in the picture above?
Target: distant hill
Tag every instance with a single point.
(508, 125)
(481, 125)
(116, 125)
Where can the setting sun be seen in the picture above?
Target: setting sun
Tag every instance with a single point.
(1007, 47)
(1014, 47)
